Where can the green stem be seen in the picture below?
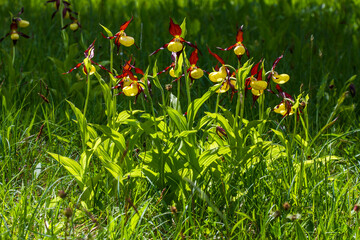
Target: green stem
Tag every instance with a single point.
(239, 102)
(261, 112)
(178, 95)
(217, 102)
(187, 81)
(112, 83)
(63, 33)
(87, 91)
(13, 55)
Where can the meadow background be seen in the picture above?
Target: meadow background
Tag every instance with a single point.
(320, 44)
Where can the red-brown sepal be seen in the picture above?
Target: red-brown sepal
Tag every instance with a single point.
(239, 35)
(174, 29)
(194, 57)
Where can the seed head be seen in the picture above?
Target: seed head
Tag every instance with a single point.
(173, 209)
(286, 206)
(68, 212)
(62, 194)
(168, 87)
(357, 207)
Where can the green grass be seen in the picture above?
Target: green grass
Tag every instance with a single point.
(134, 171)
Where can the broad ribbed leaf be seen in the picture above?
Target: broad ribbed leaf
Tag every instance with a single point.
(71, 165)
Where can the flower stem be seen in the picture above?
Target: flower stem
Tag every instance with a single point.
(87, 92)
(217, 102)
(13, 55)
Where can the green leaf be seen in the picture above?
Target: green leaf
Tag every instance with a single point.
(300, 232)
(197, 103)
(179, 64)
(156, 79)
(115, 170)
(115, 136)
(205, 198)
(81, 120)
(179, 120)
(281, 136)
(184, 134)
(210, 156)
(224, 124)
(108, 32)
(85, 159)
(110, 107)
(71, 165)
(183, 28)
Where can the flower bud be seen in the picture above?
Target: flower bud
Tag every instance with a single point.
(68, 212)
(286, 206)
(62, 194)
(356, 207)
(168, 87)
(173, 209)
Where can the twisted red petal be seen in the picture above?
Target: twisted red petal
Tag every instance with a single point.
(125, 25)
(216, 56)
(276, 62)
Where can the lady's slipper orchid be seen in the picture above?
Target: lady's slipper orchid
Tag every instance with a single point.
(255, 82)
(121, 38)
(170, 68)
(74, 26)
(66, 8)
(194, 71)
(129, 83)
(15, 23)
(285, 107)
(278, 78)
(89, 54)
(176, 44)
(222, 76)
(239, 48)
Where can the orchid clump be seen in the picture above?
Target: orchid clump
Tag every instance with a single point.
(222, 76)
(255, 82)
